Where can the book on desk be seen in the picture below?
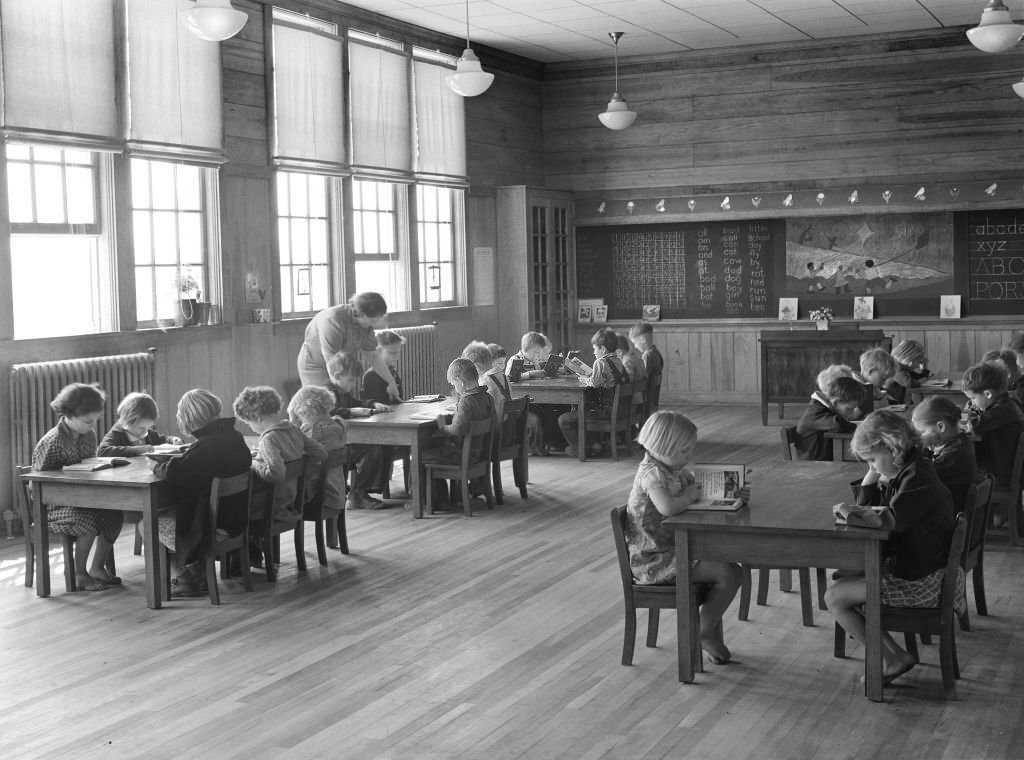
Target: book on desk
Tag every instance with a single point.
(720, 486)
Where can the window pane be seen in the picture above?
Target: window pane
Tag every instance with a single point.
(370, 242)
(287, 305)
(49, 194)
(79, 157)
(46, 153)
(69, 266)
(19, 192)
(300, 206)
(386, 278)
(320, 287)
(189, 196)
(300, 241)
(284, 246)
(165, 238)
(17, 150)
(145, 297)
(318, 243)
(81, 196)
(282, 194)
(190, 244)
(387, 234)
(167, 294)
(318, 196)
(163, 184)
(140, 184)
(143, 237)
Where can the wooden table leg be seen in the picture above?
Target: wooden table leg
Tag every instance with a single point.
(415, 497)
(684, 608)
(838, 450)
(581, 432)
(806, 610)
(151, 553)
(873, 622)
(41, 533)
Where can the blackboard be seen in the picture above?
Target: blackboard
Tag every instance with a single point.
(702, 269)
(995, 262)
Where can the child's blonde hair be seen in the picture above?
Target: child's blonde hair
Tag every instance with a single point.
(256, 402)
(665, 433)
(389, 338)
(533, 340)
(197, 408)
(478, 353)
(877, 359)
(885, 429)
(311, 403)
(135, 407)
(464, 370)
(830, 374)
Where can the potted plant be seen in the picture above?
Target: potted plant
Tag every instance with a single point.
(188, 299)
(822, 317)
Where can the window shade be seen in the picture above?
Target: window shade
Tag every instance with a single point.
(58, 69)
(440, 124)
(379, 110)
(309, 115)
(174, 83)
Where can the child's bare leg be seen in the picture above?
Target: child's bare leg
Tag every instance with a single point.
(723, 579)
(83, 543)
(101, 558)
(845, 598)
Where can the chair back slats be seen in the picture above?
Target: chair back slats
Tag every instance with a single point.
(977, 504)
(618, 515)
(335, 458)
(513, 420)
(26, 505)
(788, 436)
(949, 581)
(476, 447)
(222, 488)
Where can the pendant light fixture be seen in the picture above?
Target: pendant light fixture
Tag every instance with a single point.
(215, 20)
(617, 116)
(996, 32)
(469, 78)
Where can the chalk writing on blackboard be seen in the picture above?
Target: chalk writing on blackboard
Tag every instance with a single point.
(995, 262)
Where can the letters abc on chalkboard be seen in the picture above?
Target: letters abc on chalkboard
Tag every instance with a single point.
(995, 262)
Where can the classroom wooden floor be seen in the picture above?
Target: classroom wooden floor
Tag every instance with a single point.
(492, 637)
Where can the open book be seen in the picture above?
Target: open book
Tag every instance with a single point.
(720, 484)
(580, 368)
(170, 448)
(864, 517)
(96, 463)
(426, 398)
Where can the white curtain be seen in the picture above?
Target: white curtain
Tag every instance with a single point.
(58, 67)
(174, 81)
(309, 114)
(440, 123)
(379, 109)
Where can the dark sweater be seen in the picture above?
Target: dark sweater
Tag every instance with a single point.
(998, 428)
(818, 418)
(117, 441)
(956, 467)
(923, 508)
(345, 400)
(375, 389)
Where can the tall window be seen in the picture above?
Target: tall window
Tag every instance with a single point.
(304, 242)
(438, 238)
(168, 222)
(378, 220)
(61, 256)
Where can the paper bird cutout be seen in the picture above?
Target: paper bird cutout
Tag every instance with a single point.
(691, 204)
(756, 201)
(788, 200)
(600, 209)
(725, 203)
(887, 195)
(920, 194)
(660, 205)
(990, 191)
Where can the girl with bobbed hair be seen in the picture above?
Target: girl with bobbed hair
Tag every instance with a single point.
(661, 488)
(901, 477)
(218, 451)
(79, 407)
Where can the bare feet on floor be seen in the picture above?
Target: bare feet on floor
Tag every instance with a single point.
(716, 650)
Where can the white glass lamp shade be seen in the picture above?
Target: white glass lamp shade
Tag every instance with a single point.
(1019, 88)
(215, 20)
(469, 79)
(617, 115)
(996, 32)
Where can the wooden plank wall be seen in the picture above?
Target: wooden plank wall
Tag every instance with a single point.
(925, 107)
(721, 360)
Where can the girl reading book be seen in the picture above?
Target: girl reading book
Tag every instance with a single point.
(70, 441)
(661, 488)
(901, 477)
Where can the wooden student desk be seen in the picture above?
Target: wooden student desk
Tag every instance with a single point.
(564, 389)
(788, 523)
(131, 488)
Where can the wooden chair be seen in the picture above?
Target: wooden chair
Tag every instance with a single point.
(514, 417)
(788, 436)
(978, 505)
(27, 513)
(1010, 495)
(313, 510)
(619, 420)
(475, 462)
(652, 598)
(220, 544)
(928, 621)
(270, 530)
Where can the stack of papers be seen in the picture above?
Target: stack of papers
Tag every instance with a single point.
(96, 463)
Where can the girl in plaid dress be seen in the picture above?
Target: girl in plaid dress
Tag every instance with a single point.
(900, 476)
(69, 442)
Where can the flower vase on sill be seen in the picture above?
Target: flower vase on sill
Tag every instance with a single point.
(822, 317)
(188, 300)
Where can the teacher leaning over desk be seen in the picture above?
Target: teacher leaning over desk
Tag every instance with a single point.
(348, 327)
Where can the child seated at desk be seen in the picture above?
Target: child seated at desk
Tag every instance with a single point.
(631, 359)
(607, 373)
(375, 387)
(218, 451)
(993, 418)
(911, 368)
(79, 407)
(1017, 346)
(472, 404)
(937, 420)
(535, 348)
(310, 409)
(662, 488)
(1007, 359)
(496, 382)
(279, 442)
(368, 460)
(134, 433)
(829, 412)
(876, 369)
(642, 335)
(901, 477)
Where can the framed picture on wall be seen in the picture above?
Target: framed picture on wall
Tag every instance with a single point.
(788, 309)
(864, 307)
(651, 312)
(949, 307)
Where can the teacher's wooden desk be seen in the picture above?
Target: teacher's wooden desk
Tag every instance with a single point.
(789, 523)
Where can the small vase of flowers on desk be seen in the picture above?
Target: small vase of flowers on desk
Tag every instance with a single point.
(822, 317)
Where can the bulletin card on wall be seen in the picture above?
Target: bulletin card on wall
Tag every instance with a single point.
(483, 276)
